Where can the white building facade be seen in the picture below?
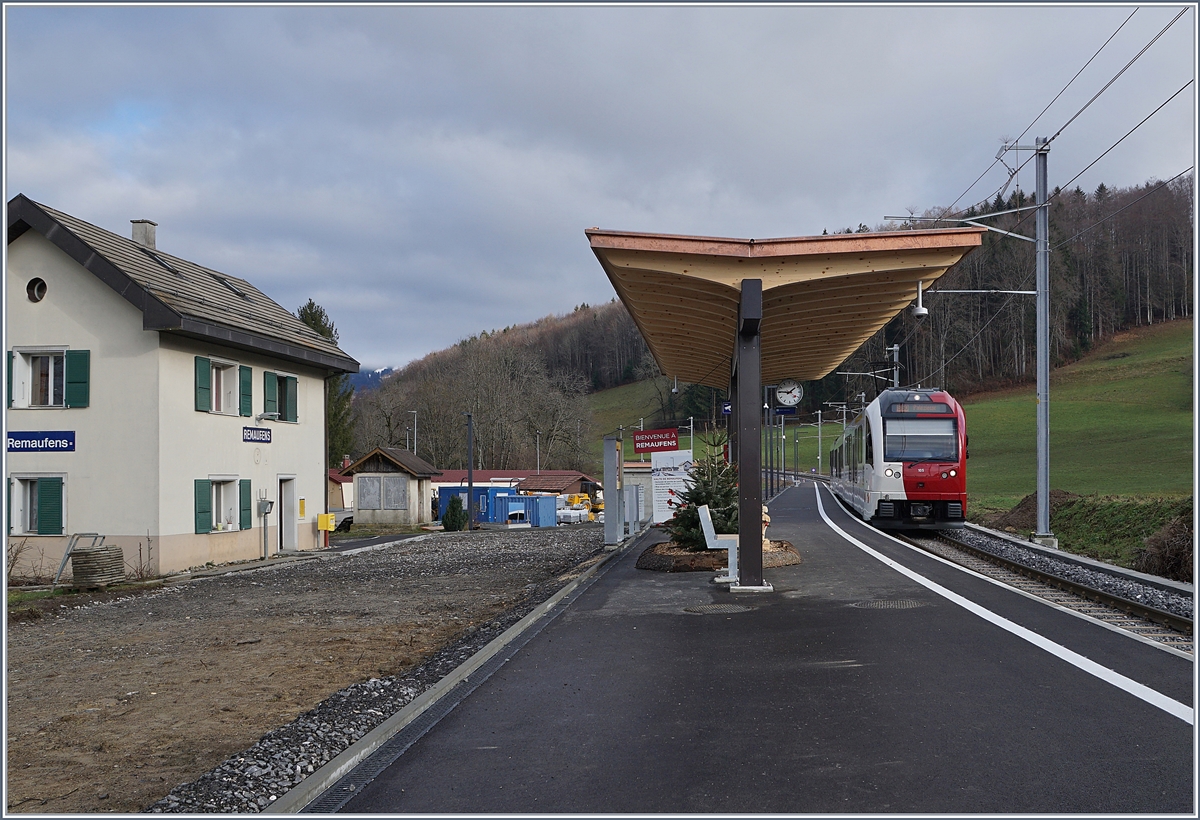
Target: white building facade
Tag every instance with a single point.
(154, 402)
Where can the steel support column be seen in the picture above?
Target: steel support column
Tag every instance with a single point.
(748, 390)
(1042, 234)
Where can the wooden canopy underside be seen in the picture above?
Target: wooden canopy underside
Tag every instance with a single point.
(823, 296)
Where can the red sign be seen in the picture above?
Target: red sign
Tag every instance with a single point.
(649, 441)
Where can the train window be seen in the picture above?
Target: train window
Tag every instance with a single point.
(920, 407)
(870, 457)
(906, 439)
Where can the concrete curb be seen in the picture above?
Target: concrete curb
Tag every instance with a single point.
(316, 783)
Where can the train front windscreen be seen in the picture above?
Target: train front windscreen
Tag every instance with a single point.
(920, 439)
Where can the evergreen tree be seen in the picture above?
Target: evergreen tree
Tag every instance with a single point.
(338, 392)
(713, 483)
(455, 518)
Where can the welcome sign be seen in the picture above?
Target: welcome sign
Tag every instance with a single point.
(41, 441)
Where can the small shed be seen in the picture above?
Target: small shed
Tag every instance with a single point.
(341, 490)
(392, 486)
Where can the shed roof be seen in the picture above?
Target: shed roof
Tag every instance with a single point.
(552, 482)
(405, 460)
(510, 476)
(179, 296)
(823, 296)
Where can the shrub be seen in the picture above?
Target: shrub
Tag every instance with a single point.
(713, 483)
(455, 518)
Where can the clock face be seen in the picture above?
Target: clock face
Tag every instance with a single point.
(789, 392)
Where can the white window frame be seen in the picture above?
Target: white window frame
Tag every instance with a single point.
(23, 377)
(225, 497)
(226, 400)
(20, 502)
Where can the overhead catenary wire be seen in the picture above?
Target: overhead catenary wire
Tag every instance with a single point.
(1086, 105)
(1119, 73)
(1044, 110)
(1029, 275)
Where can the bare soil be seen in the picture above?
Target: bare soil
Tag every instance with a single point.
(115, 698)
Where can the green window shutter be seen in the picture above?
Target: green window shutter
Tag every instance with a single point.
(247, 518)
(291, 398)
(270, 393)
(203, 505)
(50, 512)
(79, 367)
(244, 379)
(203, 386)
(9, 393)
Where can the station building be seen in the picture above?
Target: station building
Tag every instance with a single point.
(154, 401)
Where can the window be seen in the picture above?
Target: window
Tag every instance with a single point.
(222, 387)
(395, 492)
(223, 504)
(280, 394)
(368, 495)
(36, 505)
(48, 378)
(915, 439)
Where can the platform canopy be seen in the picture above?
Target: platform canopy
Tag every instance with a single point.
(823, 296)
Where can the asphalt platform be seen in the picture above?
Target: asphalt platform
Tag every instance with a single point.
(874, 680)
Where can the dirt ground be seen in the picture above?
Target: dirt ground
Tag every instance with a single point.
(115, 698)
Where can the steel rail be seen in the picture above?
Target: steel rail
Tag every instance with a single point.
(1168, 619)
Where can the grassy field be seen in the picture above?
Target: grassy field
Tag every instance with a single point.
(1120, 424)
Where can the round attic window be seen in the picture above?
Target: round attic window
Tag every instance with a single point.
(36, 289)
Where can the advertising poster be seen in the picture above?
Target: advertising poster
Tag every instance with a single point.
(670, 475)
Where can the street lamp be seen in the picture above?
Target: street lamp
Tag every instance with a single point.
(539, 452)
(414, 415)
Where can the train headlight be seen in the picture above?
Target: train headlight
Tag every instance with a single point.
(945, 475)
(953, 473)
(888, 472)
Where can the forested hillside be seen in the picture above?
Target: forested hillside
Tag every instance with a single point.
(1120, 258)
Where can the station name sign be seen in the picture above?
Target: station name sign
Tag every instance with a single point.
(52, 441)
(651, 441)
(256, 435)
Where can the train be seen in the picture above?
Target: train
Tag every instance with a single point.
(917, 479)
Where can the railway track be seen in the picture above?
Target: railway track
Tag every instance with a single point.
(1152, 623)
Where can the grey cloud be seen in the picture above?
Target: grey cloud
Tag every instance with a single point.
(427, 173)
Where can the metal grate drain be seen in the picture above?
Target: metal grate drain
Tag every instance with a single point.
(887, 604)
(717, 609)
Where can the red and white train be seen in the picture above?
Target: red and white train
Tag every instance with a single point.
(902, 463)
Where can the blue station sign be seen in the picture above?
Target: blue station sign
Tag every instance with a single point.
(41, 441)
(256, 435)
(727, 408)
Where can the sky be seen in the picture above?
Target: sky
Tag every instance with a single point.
(427, 172)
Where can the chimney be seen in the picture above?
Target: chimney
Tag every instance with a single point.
(143, 232)
(345, 462)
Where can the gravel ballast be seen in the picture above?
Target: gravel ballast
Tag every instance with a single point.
(1128, 588)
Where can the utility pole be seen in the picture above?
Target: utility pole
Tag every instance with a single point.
(539, 452)
(895, 350)
(470, 471)
(1042, 238)
(414, 415)
(819, 448)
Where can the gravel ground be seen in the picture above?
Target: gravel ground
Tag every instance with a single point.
(1127, 588)
(239, 686)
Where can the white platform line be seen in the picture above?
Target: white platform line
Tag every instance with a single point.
(1138, 690)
